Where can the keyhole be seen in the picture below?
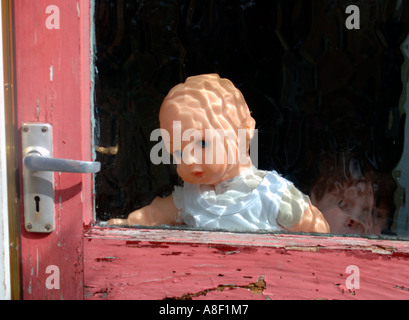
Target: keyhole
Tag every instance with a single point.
(37, 201)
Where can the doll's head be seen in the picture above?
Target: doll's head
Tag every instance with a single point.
(353, 199)
(209, 126)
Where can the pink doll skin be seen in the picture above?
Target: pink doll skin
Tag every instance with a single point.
(206, 107)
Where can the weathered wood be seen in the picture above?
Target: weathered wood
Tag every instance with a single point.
(52, 55)
(177, 264)
(53, 86)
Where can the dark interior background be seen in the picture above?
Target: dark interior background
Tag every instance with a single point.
(314, 87)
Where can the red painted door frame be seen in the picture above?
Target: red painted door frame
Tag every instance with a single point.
(53, 85)
(52, 52)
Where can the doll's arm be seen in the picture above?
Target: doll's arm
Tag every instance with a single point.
(298, 214)
(160, 211)
(311, 221)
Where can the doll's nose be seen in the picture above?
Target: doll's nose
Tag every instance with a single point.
(355, 226)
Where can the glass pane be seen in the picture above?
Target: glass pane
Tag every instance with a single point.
(327, 99)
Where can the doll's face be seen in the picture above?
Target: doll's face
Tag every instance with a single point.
(348, 210)
(209, 128)
(205, 152)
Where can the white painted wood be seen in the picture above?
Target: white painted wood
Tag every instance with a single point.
(5, 292)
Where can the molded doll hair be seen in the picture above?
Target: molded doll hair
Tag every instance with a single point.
(215, 95)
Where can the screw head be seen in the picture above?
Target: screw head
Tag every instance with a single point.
(29, 226)
(25, 129)
(48, 227)
(44, 129)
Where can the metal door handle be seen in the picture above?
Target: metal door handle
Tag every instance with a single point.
(36, 162)
(38, 177)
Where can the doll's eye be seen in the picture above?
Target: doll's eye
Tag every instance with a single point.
(344, 205)
(203, 144)
(341, 204)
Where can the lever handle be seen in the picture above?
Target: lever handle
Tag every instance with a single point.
(36, 162)
(38, 177)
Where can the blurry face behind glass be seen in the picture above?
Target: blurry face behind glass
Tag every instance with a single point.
(350, 209)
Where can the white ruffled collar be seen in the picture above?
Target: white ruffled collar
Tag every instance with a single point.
(232, 191)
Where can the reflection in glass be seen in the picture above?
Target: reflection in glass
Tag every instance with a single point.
(325, 98)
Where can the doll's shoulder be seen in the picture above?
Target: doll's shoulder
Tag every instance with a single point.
(276, 182)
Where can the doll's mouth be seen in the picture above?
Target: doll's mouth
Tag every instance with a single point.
(198, 174)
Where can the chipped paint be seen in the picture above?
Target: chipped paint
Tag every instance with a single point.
(177, 264)
(38, 108)
(306, 249)
(37, 263)
(401, 287)
(105, 259)
(142, 264)
(256, 288)
(51, 73)
(64, 102)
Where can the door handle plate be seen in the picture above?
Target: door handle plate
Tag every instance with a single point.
(38, 176)
(38, 186)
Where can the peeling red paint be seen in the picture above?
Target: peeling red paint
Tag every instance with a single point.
(401, 287)
(142, 244)
(223, 266)
(172, 254)
(105, 259)
(225, 249)
(120, 263)
(256, 288)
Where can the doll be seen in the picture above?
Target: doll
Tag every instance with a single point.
(207, 127)
(352, 197)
